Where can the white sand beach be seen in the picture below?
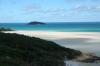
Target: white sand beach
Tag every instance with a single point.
(63, 36)
(88, 42)
(84, 41)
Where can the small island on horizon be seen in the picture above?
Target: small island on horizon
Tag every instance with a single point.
(36, 23)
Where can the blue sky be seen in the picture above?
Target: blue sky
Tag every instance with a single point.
(49, 10)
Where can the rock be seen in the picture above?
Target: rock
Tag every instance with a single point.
(36, 23)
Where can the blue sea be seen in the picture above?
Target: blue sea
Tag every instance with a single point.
(56, 26)
(65, 27)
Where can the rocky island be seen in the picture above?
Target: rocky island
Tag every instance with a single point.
(36, 23)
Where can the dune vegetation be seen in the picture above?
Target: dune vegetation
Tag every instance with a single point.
(20, 50)
(5, 29)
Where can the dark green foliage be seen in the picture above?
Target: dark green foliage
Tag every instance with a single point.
(6, 61)
(31, 51)
(5, 29)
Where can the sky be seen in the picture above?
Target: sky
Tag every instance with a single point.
(50, 10)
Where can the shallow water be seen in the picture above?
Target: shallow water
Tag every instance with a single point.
(93, 47)
(72, 63)
(78, 44)
(56, 26)
(84, 47)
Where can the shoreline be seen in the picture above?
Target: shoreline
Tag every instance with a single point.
(87, 58)
(78, 37)
(84, 41)
(75, 40)
(62, 36)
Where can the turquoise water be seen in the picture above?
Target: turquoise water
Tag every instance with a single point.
(65, 27)
(57, 26)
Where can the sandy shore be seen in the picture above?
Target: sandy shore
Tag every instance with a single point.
(63, 36)
(84, 41)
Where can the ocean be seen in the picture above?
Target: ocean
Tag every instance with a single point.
(56, 26)
(65, 27)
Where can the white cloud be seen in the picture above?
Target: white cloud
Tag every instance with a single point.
(79, 7)
(86, 7)
(98, 7)
(95, 0)
(31, 7)
(13, 2)
(77, 13)
(38, 10)
(56, 14)
(93, 16)
(59, 15)
(20, 1)
(70, 1)
(53, 10)
(34, 8)
(89, 7)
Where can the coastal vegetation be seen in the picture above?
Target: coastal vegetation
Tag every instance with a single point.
(35, 23)
(20, 50)
(5, 29)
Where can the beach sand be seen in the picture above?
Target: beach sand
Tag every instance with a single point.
(88, 42)
(84, 41)
(63, 36)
